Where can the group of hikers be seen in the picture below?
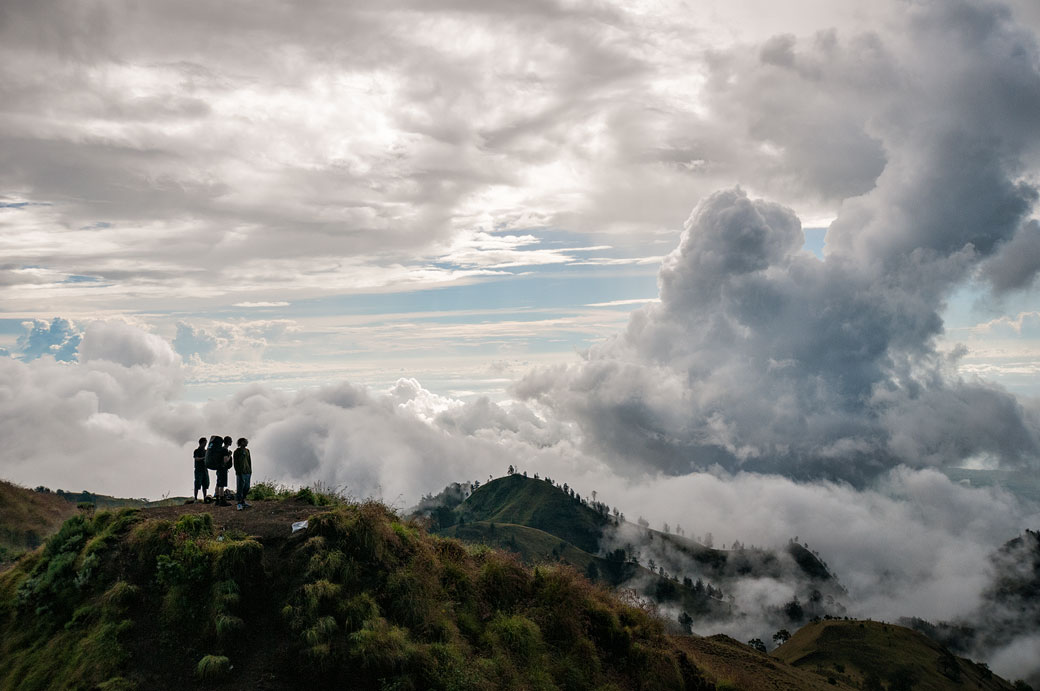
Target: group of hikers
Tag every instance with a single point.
(216, 455)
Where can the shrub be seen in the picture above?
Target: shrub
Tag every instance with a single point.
(213, 668)
(517, 635)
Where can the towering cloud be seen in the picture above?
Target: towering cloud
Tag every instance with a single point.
(760, 356)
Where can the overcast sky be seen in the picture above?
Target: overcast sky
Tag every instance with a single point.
(752, 253)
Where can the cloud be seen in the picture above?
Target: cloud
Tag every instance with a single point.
(1015, 266)
(231, 341)
(762, 357)
(59, 339)
(177, 158)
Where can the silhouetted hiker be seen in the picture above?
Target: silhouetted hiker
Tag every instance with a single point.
(222, 473)
(218, 458)
(201, 474)
(243, 472)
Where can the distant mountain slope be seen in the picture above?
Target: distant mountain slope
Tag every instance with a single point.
(27, 518)
(671, 569)
(738, 666)
(535, 546)
(852, 652)
(536, 504)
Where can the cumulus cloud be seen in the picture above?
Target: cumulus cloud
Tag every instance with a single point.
(60, 339)
(234, 340)
(760, 356)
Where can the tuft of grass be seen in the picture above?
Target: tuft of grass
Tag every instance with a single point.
(318, 494)
(213, 668)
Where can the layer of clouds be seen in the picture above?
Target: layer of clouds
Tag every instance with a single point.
(232, 341)
(181, 151)
(912, 544)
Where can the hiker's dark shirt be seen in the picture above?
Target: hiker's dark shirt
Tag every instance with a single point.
(200, 458)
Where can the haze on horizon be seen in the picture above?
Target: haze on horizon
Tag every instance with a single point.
(760, 273)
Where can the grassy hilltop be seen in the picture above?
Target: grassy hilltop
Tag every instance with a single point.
(360, 599)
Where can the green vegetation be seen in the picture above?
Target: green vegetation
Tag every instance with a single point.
(63, 609)
(213, 668)
(361, 598)
(315, 495)
(537, 504)
(67, 611)
(382, 600)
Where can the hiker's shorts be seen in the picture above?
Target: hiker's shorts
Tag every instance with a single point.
(201, 479)
(221, 477)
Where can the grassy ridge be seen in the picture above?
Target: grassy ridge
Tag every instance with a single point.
(868, 653)
(361, 599)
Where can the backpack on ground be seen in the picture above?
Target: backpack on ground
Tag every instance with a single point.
(215, 452)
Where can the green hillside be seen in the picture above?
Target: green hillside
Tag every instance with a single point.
(543, 522)
(359, 599)
(27, 518)
(536, 504)
(866, 654)
(535, 546)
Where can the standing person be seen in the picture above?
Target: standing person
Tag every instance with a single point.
(243, 472)
(222, 468)
(201, 474)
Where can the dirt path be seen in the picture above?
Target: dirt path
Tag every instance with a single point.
(266, 520)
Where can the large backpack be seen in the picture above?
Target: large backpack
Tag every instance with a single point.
(215, 452)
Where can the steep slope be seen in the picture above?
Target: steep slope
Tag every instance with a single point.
(27, 518)
(866, 653)
(359, 599)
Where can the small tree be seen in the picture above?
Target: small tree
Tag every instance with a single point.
(757, 644)
(781, 636)
(686, 622)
